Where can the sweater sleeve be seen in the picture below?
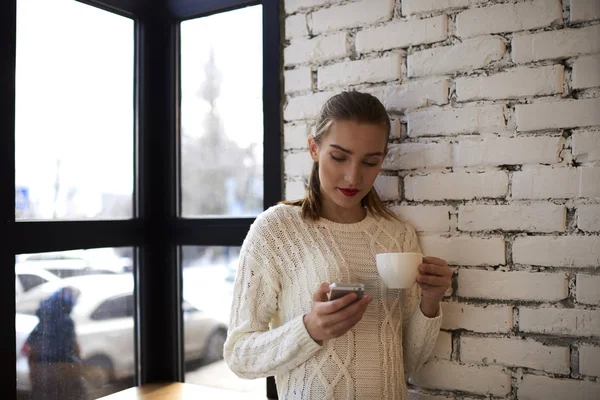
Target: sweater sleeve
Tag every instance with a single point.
(252, 349)
(419, 333)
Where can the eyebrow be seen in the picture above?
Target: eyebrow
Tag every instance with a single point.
(379, 153)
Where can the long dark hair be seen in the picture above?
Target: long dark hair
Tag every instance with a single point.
(345, 106)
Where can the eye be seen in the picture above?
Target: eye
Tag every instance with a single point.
(338, 159)
(371, 163)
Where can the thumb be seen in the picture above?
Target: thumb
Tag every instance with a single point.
(321, 294)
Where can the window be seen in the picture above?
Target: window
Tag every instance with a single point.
(29, 281)
(120, 307)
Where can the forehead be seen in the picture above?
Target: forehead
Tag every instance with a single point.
(353, 135)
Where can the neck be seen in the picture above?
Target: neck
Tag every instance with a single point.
(335, 213)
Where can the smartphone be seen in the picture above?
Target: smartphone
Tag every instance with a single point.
(337, 290)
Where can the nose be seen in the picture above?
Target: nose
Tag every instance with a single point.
(353, 174)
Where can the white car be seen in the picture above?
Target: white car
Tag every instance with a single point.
(27, 278)
(104, 326)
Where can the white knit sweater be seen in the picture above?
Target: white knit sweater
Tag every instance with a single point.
(282, 262)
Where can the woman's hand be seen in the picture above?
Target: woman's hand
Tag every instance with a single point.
(331, 319)
(434, 279)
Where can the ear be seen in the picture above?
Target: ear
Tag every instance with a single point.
(313, 148)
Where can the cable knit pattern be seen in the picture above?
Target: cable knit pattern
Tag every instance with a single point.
(282, 262)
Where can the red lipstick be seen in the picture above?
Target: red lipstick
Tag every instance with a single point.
(349, 192)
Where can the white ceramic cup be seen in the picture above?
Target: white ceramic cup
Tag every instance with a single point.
(399, 270)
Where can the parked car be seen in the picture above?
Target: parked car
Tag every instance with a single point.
(27, 278)
(78, 262)
(104, 326)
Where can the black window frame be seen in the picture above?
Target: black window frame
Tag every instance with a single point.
(157, 230)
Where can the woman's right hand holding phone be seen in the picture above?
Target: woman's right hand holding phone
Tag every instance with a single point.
(331, 319)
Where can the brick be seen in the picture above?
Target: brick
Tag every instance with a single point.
(508, 17)
(298, 80)
(294, 190)
(305, 107)
(486, 319)
(508, 151)
(413, 94)
(443, 347)
(556, 45)
(465, 250)
(589, 183)
(560, 321)
(586, 72)
(295, 26)
(421, 6)
(562, 251)
(534, 387)
(418, 155)
(588, 218)
(545, 183)
(517, 83)
(466, 56)
(515, 353)
(298, 164)
(514, 285)
(295, 5)
(361, 13)
(588, 289)
(402, 34)
(447, 375)
(558, 114)
(517, 217)
(586, 146)
(584, 10)
(438, 121)
(425, 218)
(456, 186)
(295, 136)
(589, 360)
(420, 396)
(371, 70)
(388, 187)
(318, 49)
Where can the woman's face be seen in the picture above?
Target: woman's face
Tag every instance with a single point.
(350, 156)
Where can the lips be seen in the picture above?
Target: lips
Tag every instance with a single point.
(349, 192)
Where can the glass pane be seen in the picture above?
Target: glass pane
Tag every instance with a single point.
(222, 115)
(208, 276)
(74, 323)
(74, 112)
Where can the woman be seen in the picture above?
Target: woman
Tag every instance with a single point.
(282, 323)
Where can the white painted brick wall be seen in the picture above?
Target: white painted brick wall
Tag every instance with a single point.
(351, 15)
(456, 186)
(586, 72)
(305, 107)
(560, 321)
(465, 250)
(589, 360)
(478, 379)
(296, 26)
(443, 346)
(402, 34)
(534, 387)
(420, 6)
(379, 69)
(515, 83)
(586, 145)
(516, 285)
(562, 251)
(298, 164)
(584, 10)
(508, 17)
(295, 5)
(298, 80)
(481, 319)
(425, 218)
(320, 48)
(541, 217)
(545, 183)
(388, 187)
(468, 55)
(589, 184)
(588, 217)
(295, 136)
(508, 151)
(558, 114)
(294, 190)
(437, 121)
(556, 44)
(515, 353)
(588, 289)
(412, 94)
(418, 155)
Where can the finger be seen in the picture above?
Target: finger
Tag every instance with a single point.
(321, 294)
(434, 280)
(345, 321)
(435, 260)
(433, 269)
(358, 307)
(337, 304)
